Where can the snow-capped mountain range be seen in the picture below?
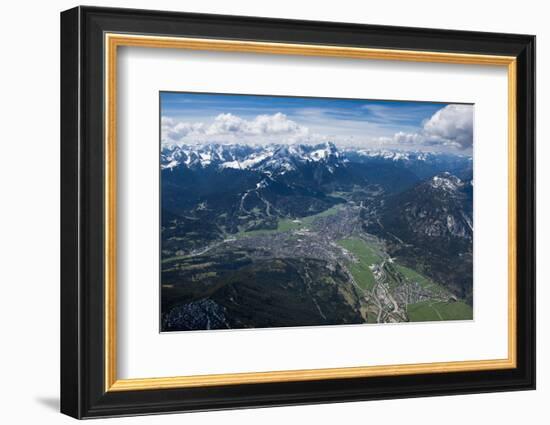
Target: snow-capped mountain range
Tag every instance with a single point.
(276, 157)
(281, 158)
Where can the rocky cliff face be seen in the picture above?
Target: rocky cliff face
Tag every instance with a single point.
(431, 226)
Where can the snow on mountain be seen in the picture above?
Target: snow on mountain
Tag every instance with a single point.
(249, 162)
(271, 157)
(446, 182)
(173, 163)
(395, 155)
(202, 155)
(279, 159)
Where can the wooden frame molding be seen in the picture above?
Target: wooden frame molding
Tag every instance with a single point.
(114, 40)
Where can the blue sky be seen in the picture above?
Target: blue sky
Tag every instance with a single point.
(405, 125)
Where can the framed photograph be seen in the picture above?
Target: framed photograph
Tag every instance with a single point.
(261, 212)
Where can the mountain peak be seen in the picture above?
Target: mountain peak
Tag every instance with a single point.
(446, 181)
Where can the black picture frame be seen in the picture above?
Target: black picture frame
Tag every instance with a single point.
(83, 392)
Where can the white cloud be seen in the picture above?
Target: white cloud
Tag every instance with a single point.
(174, 130)
(231, 128)
(451, 126)
(276, 124)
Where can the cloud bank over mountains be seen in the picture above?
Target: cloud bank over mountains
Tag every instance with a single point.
(230, 128)
(449, 128)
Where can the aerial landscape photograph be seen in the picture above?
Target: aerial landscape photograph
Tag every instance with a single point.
(280, 211)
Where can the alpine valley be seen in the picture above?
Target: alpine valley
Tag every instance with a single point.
(280, 235)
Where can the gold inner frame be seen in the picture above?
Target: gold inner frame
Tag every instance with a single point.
(113, 41)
